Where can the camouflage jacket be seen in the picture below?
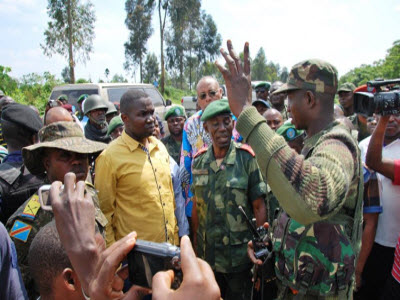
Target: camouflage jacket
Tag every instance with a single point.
(359, 126)
(173, 148)
(26, 222)
(285, 113)
(223, 234)
(318, 237)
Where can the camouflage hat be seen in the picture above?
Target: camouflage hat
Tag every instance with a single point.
(346, 87)
(216, 108)
(312, 74)
(264, 84)
(175, 111)
(275, 85)
(114, 123)
(60, 135)
(289, 131)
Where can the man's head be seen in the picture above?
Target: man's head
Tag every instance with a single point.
(95, 109)
(4, 101)
(80, 101)
(115, 128)
(218, 123)
(277, 100)
(63, 99)
(137, 113)
(57, 114)
(175, 117)
(294, 137)
(157, 128)
(50, 267)
(274, 118)
(208, 90)
(311, 89)
(371, 124)
(261, 106)
(20, 125)
(393, 128)
(262, 90)
(346, 95)
(62, 149)
(111, 112)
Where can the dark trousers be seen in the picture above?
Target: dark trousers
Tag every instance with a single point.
(376, 272)
(234, 286)
(392, 289)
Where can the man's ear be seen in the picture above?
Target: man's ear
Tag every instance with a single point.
(205, 126)
(71, 280)
(46, 162)
(310, 99)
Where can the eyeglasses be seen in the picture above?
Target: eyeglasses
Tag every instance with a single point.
(210, 93)
(175, 120)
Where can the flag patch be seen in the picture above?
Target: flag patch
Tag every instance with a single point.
(20, 231)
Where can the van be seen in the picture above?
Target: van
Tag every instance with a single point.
(110, 92)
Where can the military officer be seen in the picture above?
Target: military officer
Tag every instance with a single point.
(278, 99)
(175, 117)
(317, 236)
(262, 90)
(62, 149)
(225, 176)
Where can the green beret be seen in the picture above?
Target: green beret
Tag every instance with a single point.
(263, 84)
(289, 131)
(175, 111)
(215, 108)
(63, 97)
(114, 124)
(82, 97)
(346, 87)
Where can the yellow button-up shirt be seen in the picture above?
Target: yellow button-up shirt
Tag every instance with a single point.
(135, 190)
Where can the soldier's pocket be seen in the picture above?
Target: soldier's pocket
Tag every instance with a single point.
(237, 191)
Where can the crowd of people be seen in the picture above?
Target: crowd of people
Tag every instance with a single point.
(320, 181)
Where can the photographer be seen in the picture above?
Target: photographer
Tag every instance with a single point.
(97, 267)
(383, 150)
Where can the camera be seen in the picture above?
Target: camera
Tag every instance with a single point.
(148, 258)
(382, 102)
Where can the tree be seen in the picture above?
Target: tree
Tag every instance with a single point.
(151, 69)
(65, 75)
(118, 78)
(284, 75)
(162, 6)
(107, 73)
(259, 66)
(70, 32)
(7, 83)
(138, 21)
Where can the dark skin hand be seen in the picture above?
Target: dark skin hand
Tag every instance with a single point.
(237, 78)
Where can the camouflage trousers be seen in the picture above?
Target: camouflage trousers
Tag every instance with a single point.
(286, 294)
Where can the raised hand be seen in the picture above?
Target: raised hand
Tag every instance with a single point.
(237, 78)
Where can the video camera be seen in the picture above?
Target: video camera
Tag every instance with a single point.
(382, 102)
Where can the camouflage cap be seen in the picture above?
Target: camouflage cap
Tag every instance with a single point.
(175, 111)
(60, 135)
(312, 74)
(346, 87)
(216, 108)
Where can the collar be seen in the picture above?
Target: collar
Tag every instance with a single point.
(134, 144)
(310, 142)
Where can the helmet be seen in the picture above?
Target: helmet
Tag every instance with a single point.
(82, 98)
(93, 102)
(111, 108)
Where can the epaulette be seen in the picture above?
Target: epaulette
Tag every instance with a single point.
(200, 152)
(248, 149)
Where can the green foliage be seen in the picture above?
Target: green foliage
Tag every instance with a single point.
(175, 95)
(65, 75)
(388, 68)
(138, 22)
(70, 32)
(151, 69)
(118, 78)
(7, 84)
(259, 66)
(107, 73)
(82, 80)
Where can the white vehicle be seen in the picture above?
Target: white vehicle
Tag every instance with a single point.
(110, 92)
(190, 104)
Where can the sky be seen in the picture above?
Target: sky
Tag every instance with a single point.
(347, 33)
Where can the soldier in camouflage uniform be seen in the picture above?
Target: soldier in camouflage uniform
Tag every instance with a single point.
(175, 117)
(316, 238)
(278, 100)
(226, 175)
(62, 149)
(346, 100)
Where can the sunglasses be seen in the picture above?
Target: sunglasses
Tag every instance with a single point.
(210, 93)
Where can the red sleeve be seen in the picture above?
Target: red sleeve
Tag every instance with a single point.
(396, 180)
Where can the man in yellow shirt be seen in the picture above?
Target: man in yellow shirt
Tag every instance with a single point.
(133, 178)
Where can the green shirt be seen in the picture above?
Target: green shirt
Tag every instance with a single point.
(173, 148)
(223, 234)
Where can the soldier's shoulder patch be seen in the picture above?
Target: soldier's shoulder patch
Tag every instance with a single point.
(20, 230)
(31, 208)
(200, 152)
(248, 149)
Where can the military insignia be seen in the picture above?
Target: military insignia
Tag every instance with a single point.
(177, 111)
(248, 149)
(20, 231)
(200, 172)
(291, 133)
(201, 151)
(31, 208)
